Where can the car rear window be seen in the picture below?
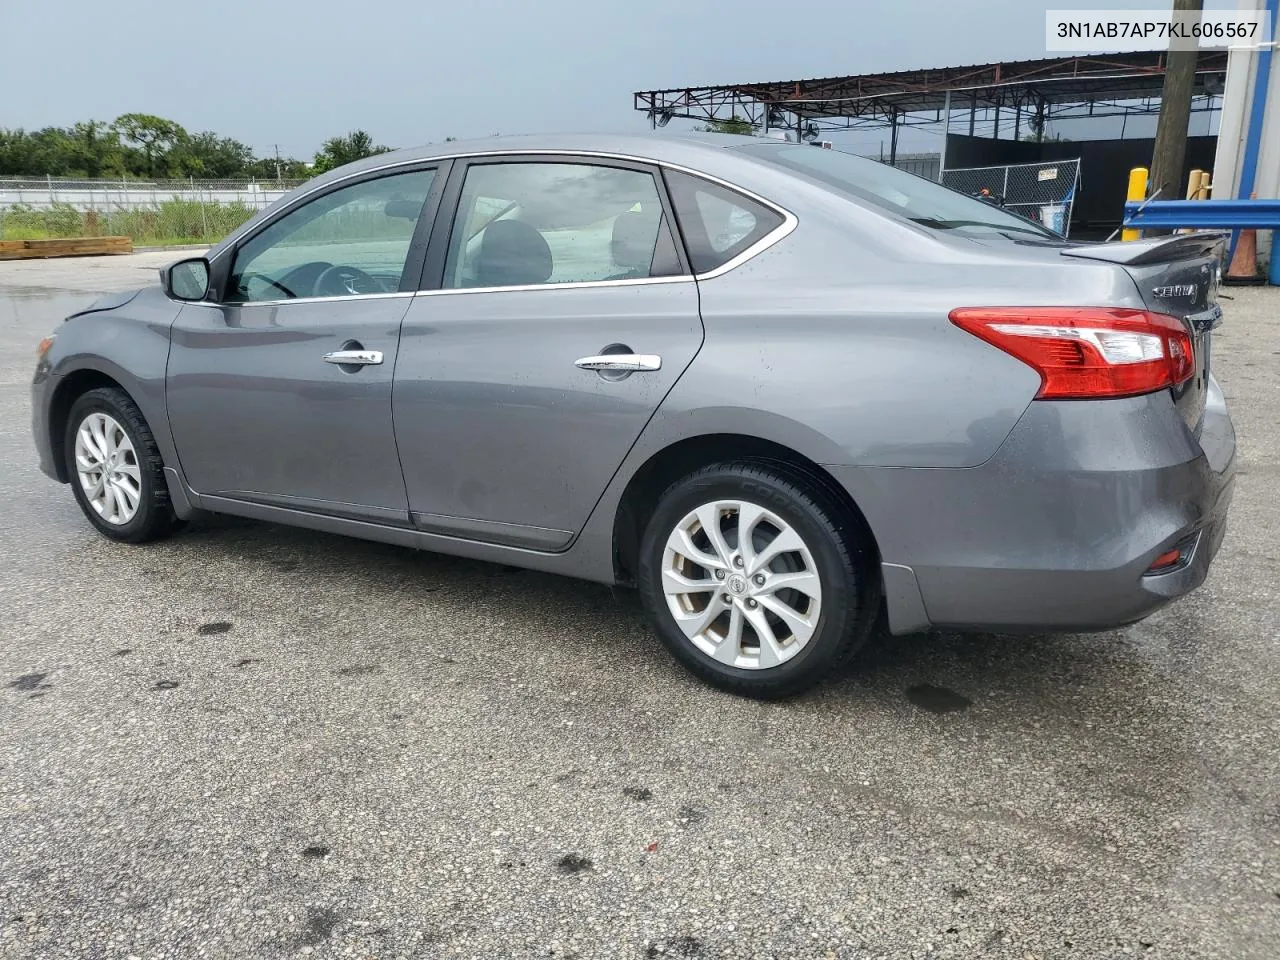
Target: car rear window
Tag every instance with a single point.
(895, 191)
(718, 223)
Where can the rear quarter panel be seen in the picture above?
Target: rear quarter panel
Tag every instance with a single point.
(838, 337)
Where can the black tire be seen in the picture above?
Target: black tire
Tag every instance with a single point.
(838, 544)
(154, 519)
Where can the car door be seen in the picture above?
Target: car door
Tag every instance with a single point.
(559, 311)
(280, 392)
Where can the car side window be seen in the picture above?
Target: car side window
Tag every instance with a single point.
(718, 223)
(350, 242)
(520, 223)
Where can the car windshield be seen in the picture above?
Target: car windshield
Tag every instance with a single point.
(904, 194)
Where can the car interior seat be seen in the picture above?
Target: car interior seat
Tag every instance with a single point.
(512, 253)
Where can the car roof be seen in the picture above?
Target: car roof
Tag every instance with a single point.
(657, 146)
(678, 148)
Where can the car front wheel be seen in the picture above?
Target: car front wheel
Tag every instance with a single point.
(755, 579)
(116, 469)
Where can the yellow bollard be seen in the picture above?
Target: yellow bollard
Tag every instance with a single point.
(1138, 192)
(1193, 193)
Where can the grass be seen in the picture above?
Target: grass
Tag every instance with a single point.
(172, 222)
(188, 221)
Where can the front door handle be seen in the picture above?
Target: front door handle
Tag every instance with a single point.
(355, 358)
(622, 362)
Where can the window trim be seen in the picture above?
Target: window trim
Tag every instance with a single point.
(447, 167)
(699, 229)
(432, 279)
(222, 265)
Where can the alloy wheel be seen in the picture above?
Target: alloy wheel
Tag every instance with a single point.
(741, 584)
(107, 467)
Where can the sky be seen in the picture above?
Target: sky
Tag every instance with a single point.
(290, 74)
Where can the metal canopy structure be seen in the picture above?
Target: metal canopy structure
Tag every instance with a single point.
(1031, 92)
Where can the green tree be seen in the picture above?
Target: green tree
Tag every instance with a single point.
(209, 155)
(338, 151)
(15, 152)
(10, 150)
(95, 149)
(47, 152)
(1032, 137)
(264, 168)
(154, 137)
(144, 145)
(734, 124)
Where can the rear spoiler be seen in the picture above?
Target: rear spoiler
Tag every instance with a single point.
(1132, 253)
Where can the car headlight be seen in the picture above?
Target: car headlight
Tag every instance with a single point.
(44, 346)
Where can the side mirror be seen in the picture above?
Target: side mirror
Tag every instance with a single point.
(186, 279)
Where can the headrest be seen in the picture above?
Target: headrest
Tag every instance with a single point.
(634, 235)
(512, 253)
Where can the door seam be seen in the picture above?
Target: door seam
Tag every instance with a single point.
(395, 434)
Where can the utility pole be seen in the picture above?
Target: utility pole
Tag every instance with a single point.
(1170, 151)
(277, 164)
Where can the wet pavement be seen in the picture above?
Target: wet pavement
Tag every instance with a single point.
(251, 741)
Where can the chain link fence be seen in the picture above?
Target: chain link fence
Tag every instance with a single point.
(1043, 192)
(157, 212)
(924, 165)
(921, 164)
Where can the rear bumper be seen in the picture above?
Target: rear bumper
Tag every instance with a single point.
(1058, 530)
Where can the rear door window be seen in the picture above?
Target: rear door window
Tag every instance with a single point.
(718, 223)
(523, 223)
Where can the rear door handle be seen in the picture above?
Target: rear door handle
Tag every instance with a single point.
(622, 362)
(356, 358)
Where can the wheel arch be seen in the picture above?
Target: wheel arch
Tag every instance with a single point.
(70, 387)
(666, 466)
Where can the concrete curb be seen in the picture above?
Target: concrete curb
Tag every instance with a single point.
(188, 246)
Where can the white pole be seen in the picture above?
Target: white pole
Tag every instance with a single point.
(1267, 180)
(1237, 95)
(204, 219)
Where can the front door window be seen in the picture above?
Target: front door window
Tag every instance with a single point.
(351, 242)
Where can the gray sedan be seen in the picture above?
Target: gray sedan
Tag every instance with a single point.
(782, 391)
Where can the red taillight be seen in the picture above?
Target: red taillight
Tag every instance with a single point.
(1088, 352)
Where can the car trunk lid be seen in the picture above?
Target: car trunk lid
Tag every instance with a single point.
(1178, 276)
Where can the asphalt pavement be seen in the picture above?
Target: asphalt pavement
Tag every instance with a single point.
(252, 741)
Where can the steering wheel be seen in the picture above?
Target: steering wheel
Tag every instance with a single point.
(340, 280)
(246, 278)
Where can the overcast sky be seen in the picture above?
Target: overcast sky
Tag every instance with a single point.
(414, 71)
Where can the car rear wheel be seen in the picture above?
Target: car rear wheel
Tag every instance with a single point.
(754, 579)
(116, 469)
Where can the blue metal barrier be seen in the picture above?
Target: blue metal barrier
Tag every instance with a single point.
(1204, 214)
